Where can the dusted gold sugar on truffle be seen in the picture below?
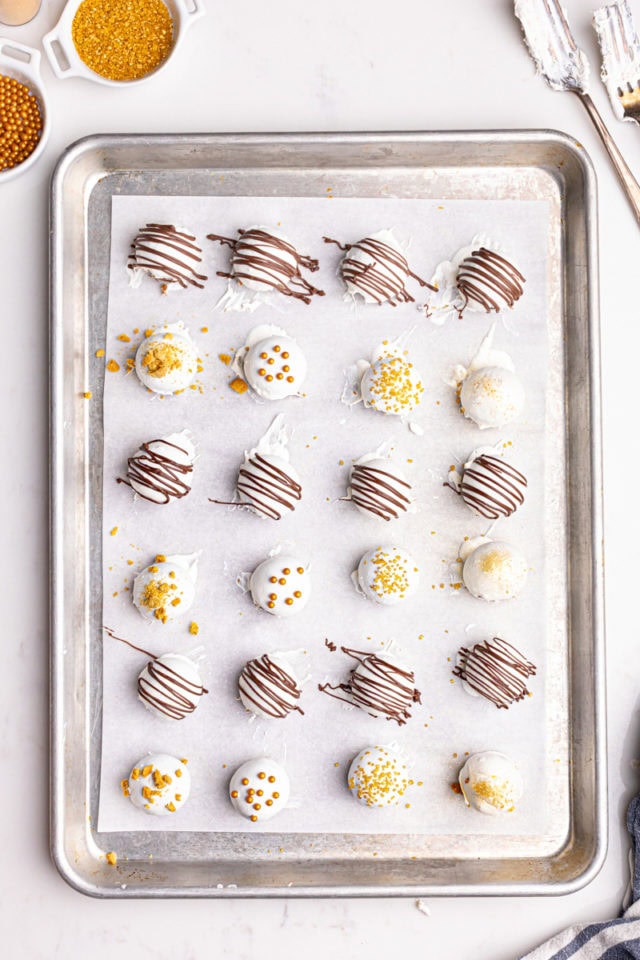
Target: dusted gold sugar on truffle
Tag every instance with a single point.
(122, 39)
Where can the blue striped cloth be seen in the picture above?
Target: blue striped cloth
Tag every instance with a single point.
(617, 939)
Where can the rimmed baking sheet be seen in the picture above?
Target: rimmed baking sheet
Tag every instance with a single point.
(560, 845)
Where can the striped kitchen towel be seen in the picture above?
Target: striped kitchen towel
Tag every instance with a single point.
(617, 939)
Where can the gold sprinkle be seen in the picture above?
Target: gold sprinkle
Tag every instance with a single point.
(111, 858)
(113, 366)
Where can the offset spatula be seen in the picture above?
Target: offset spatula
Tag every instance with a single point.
(620, 50)
(565, 67)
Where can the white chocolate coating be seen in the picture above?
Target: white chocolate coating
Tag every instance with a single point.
(275, 367)
(269, 485)
(378, 777)
(491, 783)
(492, 396)
(379, 488)
(281, 585)
(168, 254)
(167, 361)
(166, 589)
(269, 686)
(160, 470)
(159, 784)
(259, 789)
(495, 570)
(170, 686)
(491, 487)
(392, 385)
(387, 575)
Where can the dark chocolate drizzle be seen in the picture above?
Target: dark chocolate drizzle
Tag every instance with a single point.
(266, 491)
(174, 268)
(490, 280)
(164, 693)
(159, 473)
(496, 495)
(389, 690)
(168, 691)
(270, 688)
(256, 257)
(370, 278)
(377, 491)
(496, 670)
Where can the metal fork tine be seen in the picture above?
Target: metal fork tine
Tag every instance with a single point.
(559, 21)
(620, 50)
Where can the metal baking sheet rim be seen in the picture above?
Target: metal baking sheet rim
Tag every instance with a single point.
(75, 846)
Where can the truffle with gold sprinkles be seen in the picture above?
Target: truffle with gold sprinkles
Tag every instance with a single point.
(387, 575)
(259, 789)
(378, 777)
(493, 569)
(392, 385)
(166, 361)
(275, 367)
(491, 783)
(281, 585)
(159, 784)
(166, 588)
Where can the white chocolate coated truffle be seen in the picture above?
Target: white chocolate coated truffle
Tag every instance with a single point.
(392, 385)
(379, 488)
(160, 470)
(491, 783)
(171, 686)
(269, 485)
(275, 367)
(166, 589)
(387, 575)
(158, 784)
(166, 361)
(259, 789)
(269, 686)
(376, 269)
(378, 777)
(492, 396)
(281, 585)
(168, 254)
(491, 487)
(494, 570)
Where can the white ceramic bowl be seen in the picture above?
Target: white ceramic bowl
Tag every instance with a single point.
(65, 60)
(23, 64)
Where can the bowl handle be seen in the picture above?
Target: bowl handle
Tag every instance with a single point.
(26, 59)
(57, 55)
(191, 10)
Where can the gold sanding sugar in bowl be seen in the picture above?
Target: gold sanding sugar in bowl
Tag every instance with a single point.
(122, 39)
(20, 122)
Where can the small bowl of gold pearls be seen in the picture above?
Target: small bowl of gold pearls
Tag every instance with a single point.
(24, 124)
(118, 42)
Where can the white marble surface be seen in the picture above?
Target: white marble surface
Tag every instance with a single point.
(283, 66)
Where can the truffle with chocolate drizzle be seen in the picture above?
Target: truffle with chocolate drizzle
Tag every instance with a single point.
(376, 269)
(380, 685)
(495, 670)
(488, 279)
(269, 687)
(166, 254)
(377, 486)
(490, 486)
(160, 470)
(267, 484)
(263, 260)
(170, 685)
